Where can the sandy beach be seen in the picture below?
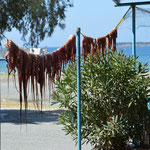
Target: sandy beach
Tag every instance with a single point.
(38, 132)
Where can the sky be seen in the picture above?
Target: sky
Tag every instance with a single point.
(96, 18)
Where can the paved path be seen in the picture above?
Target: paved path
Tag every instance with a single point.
(39, 133)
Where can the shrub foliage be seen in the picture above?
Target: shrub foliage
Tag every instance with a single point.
(113, 100)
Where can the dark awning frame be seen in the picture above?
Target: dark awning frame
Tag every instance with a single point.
(118, 4)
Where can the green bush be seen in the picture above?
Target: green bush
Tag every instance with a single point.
(113, 100)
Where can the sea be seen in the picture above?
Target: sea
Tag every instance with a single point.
(143, 53)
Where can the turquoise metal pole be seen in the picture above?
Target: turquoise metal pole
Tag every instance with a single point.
(78, 89)
(133, 31)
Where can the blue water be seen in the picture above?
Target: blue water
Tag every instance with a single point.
(3, 67)
(142, 52)
(51, 49)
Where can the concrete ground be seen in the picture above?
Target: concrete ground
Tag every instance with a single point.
(12, 91)
(38, 132)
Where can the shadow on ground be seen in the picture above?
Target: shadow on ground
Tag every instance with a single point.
(33, 116)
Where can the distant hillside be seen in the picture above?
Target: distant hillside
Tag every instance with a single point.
(122, 44)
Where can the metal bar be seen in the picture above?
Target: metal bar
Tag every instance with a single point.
(132, 3)
(78, 88)
(133, 31)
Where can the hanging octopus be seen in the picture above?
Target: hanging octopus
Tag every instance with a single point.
(37, 68)
(101, 44)
(112, 36)
(87, 46)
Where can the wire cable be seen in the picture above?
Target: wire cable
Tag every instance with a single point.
(82, 34)
(123, 17)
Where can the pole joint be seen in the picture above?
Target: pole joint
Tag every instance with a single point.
(78, 30)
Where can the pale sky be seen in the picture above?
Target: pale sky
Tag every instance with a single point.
(95, 18)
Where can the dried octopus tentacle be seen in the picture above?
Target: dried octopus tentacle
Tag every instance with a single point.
(41, 78)
(6, 56)
(113, 36)
(32, 77)
(108, 42)
(87, 45)
(101, 45)
(25, 80)
(20, 93)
